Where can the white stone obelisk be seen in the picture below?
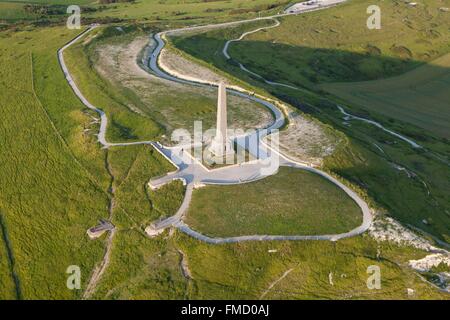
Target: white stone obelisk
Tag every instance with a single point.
(220, 145)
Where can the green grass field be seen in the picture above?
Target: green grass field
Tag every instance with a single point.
(132, 167)
(420, 97)
(49, 198)
(192, 11)
(245, 271)
(10, 290)
(14, 11)
(335, 44)
(169, 12)
(56, 182)
(135, 207)
(50, 2)
(292, 202)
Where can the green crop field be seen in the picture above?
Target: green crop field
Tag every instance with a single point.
(293, 202)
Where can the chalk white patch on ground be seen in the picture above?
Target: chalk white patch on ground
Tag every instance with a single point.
(430, 261)
(181, 67)
(387, 229)
(306, 140)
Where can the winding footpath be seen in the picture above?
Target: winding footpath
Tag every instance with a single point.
(243, 68)
(193, 173)
(347, 116)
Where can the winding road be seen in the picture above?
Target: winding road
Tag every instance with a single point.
(193, 173)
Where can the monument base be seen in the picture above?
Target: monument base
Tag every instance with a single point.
(221, 149)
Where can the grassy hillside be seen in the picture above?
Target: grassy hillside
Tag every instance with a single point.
(143, 268)
(131, 168)
(245, 271)
(293, 202)
(335, 44)
(332, 49)
(136, 206)
(48, 197)
(420, 97)
(248, 269)
(56, 177)
(10, 289)
(50, 2)
(124, 123)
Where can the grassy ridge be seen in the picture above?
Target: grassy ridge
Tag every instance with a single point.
(112, 79)
(208, 46)
(292, 202)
